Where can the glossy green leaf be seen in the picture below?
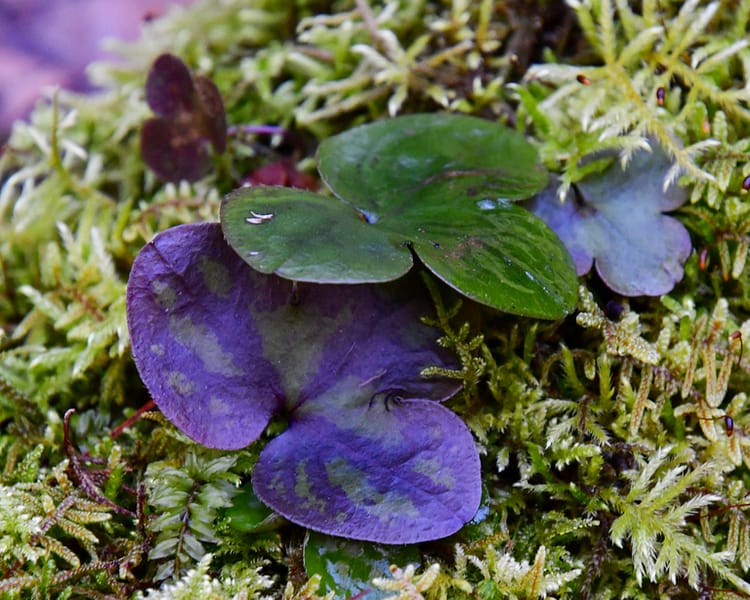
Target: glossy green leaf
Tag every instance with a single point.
(389, 162)
(304, 236)
(347, 567)
(496, 253)
(438, 186)
(249, 515)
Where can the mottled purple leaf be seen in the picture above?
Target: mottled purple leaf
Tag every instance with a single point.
(200, 358)
(615, 219)
(222, 348)
(389, 471)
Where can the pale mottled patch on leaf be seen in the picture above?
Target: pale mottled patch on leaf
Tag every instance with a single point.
(203, 344)
(216, 276)
(180, 382)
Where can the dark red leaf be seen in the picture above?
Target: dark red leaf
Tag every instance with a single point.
(169, 87)
(282, 172)
(190, 118)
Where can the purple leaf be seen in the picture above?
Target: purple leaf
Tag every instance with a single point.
(615, 219)
(190, 118)
(169, 86)
(222, 348)
(393, 471)
(202, 362)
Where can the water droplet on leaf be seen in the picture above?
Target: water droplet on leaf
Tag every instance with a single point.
(258, 218)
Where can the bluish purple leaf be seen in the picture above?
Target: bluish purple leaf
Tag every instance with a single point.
(392, 471)
(615, 220)
(200, 358)
(222, 348)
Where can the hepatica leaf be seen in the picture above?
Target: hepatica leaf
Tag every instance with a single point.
(374, 166)
(282, 172)
(190, 118)
(440, 186)
(369, 453)
(304, 236)
(347, 568)
(614, 219)
(394, 472)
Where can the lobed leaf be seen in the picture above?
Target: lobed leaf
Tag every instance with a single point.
(387, 163)
(348, 568)
(304, 236)
(368, 452)
(171, 155)
(169, 87)
(190, 118)
(201, 360)
(614, 219)
(396, 473)
(436, 185)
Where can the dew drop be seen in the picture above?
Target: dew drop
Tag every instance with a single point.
(486, 204)
(368, 216)
(258, 218)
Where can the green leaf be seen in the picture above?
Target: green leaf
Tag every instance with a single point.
(347, 567)
(389, 162)
(437, 185)
(249, 515)
(304, 236)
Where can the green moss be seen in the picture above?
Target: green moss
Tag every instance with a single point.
(611, 467)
